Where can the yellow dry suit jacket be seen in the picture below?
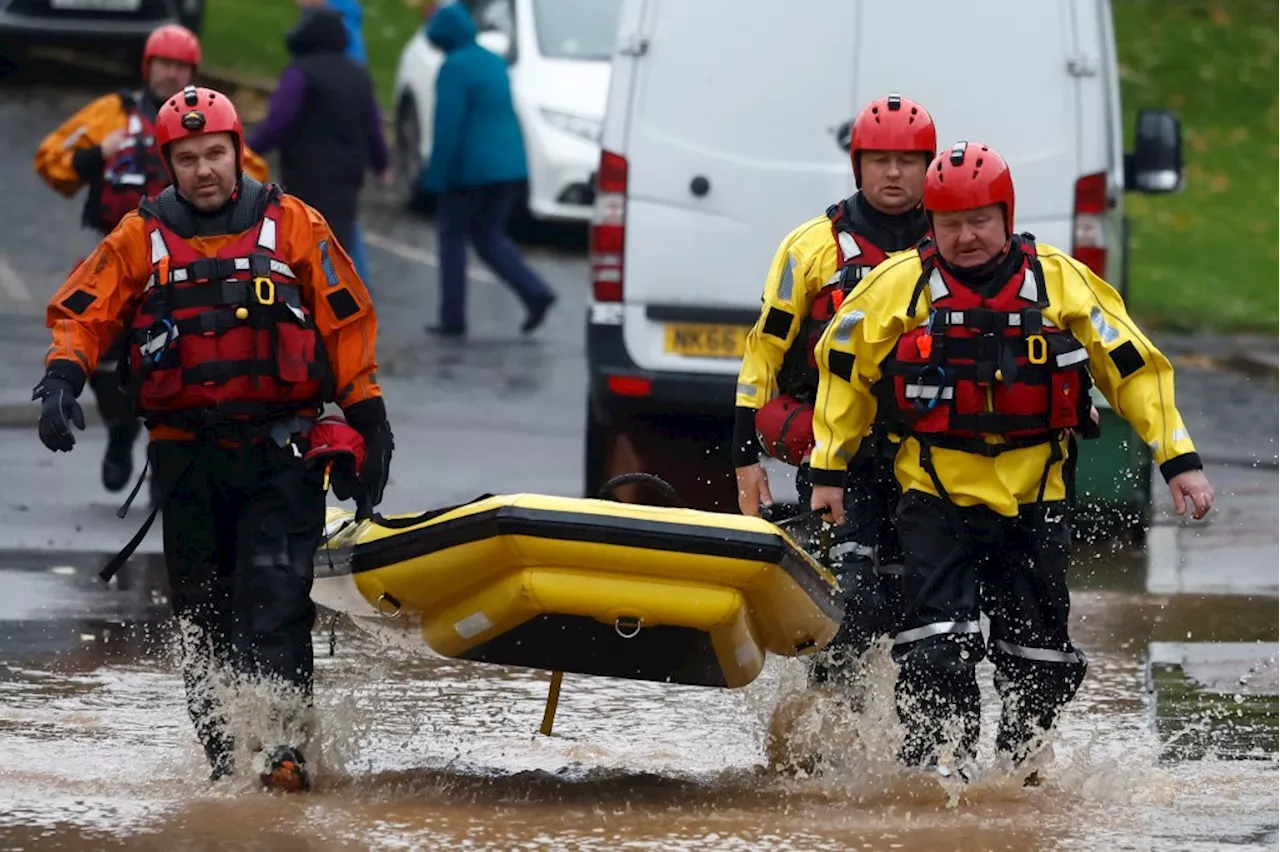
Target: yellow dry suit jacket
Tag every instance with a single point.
(874, 316)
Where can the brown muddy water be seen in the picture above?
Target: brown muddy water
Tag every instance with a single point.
(96, 751)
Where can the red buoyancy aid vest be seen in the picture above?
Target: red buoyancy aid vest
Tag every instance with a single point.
(135, 171)
(229, 333)
(987, 366)
(856, 256)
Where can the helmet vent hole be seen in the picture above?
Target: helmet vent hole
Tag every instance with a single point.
(978, 164)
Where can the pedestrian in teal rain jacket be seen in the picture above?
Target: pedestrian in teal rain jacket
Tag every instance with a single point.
(478, 169)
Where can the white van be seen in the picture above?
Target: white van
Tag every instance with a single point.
(727, 126)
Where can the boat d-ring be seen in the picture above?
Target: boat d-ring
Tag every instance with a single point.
(627, 626)
(388, 599)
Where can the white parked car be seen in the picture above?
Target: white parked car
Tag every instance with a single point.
(559, 52)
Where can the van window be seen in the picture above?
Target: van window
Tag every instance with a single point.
(576, 29)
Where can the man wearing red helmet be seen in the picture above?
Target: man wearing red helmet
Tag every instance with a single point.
(243, 317)
(816, 267)
(979, 349)
(110, 147)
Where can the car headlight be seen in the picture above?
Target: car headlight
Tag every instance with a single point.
(577, 125)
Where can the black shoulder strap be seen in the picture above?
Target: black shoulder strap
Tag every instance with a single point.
(1028, 242)
(928, 260)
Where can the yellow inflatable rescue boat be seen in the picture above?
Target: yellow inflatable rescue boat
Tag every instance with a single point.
(588, 586)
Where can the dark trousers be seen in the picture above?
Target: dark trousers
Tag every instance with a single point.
(241, 528)
(866, 558)
(960, 562)
(479, 215)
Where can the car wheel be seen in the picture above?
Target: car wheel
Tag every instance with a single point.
(408, 157)
(191, 15)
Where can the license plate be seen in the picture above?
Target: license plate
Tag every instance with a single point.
(706, 341)
(97, 5)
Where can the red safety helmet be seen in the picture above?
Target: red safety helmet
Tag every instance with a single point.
(891, 123)
(196, 111)
(966, 176)
(784, 427)
(171, 41)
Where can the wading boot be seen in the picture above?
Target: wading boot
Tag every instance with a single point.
(286, 770)
(117, 462)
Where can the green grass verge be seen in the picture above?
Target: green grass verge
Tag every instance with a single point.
(1206, 257)
(248, 36)
(1202, 259)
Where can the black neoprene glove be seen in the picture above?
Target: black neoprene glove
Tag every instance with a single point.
(369, 418)
(59, 410)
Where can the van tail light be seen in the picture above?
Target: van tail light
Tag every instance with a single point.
(630, 385)
(1090, 247)
(609, 228)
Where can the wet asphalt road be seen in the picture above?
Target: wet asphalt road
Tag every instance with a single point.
(96, 751)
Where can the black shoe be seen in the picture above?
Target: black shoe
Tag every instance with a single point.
(447, 330)
(117, 463)
(286, 770)
(537, 313)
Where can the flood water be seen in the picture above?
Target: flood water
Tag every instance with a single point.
(96, 750)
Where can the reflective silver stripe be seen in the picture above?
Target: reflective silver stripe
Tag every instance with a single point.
(130, 180)
(852, 547)
(787, 283)
(841, 455)
(1066, 359)
(1040, 655)
(938, 628)
(282, 268)
(267, 236)
(158, 248)
(179, 275)
(1015, 319)
(1181, 434)
(927, 392)
(848, 245)
(844, 331)
(937, 287)
(74, 138)
(955, 318)
(834, 279)
(747, 390)
(1028, 290)
(241, 263)
(135, 124)
(896, 569)
(157, 343)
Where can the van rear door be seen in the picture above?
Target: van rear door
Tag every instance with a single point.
(732, 141)
(999, 76)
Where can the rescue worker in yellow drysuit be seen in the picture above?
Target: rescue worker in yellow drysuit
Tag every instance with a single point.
(979, 349)
(818, 265)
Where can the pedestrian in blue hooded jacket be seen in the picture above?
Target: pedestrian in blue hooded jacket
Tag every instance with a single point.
(478, 170)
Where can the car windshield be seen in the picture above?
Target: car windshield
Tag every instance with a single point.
(576, 29)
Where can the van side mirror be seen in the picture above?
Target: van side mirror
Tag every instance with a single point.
(1155, 164)
(495, 41)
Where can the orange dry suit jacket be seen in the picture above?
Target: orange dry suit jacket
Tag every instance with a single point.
(91, 308)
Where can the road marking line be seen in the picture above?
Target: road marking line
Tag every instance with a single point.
(417, 255)
(12, 283)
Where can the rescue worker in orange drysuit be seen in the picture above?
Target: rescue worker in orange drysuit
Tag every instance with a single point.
(242, 316)
(109, 146)
(979, 349)
(818, 265)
